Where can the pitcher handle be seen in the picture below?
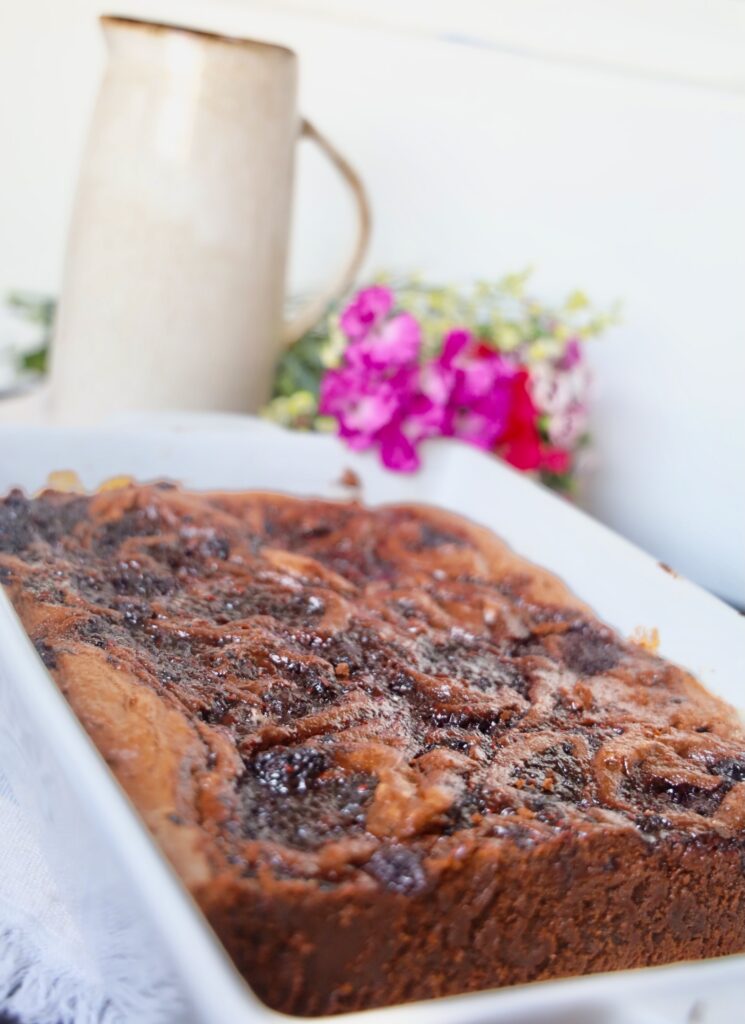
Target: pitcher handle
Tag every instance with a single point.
(312, 313)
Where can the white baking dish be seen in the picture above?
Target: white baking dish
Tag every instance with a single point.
(157, 956)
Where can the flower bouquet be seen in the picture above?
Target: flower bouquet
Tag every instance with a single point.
(488, 365)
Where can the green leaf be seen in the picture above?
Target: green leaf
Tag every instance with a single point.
(564, 483)
(36, 361)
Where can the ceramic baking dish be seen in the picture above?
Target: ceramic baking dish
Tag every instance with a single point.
(155, 953)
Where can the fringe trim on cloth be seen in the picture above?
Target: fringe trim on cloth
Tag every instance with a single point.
(37, 990)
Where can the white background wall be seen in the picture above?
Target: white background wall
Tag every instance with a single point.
(603, 143)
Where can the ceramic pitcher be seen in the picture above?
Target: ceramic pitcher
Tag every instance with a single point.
(174, 278)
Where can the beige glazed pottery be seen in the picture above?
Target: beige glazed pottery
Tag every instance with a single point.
(174, 278)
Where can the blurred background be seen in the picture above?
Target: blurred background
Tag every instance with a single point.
(601, 143)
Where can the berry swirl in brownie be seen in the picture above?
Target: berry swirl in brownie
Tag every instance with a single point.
(390, 759)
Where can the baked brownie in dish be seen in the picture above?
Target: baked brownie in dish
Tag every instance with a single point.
(390, 759)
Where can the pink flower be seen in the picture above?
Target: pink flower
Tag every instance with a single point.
(567, 426)
(396, 343)
(478, 384)
(559, 390)
(388, 411)
(362, 405)
(419, 419)
(375, 395)
(572, 355)
(368, 309)
(397, 451)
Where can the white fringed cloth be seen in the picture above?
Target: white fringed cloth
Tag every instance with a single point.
(46, 975)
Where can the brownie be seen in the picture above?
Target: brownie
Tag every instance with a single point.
(390, 759)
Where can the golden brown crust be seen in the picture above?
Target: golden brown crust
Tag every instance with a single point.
(333, 717)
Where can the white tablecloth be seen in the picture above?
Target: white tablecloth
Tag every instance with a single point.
(46, 976)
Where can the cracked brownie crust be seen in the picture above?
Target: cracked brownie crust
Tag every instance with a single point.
(390, 759)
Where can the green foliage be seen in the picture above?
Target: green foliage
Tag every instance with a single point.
(37, 309)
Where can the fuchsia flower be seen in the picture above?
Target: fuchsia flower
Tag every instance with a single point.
(392, 344)
(362, 406)
(383, 394)
(368, 309)
(477, 383)
(572, 355)
(375, 395)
